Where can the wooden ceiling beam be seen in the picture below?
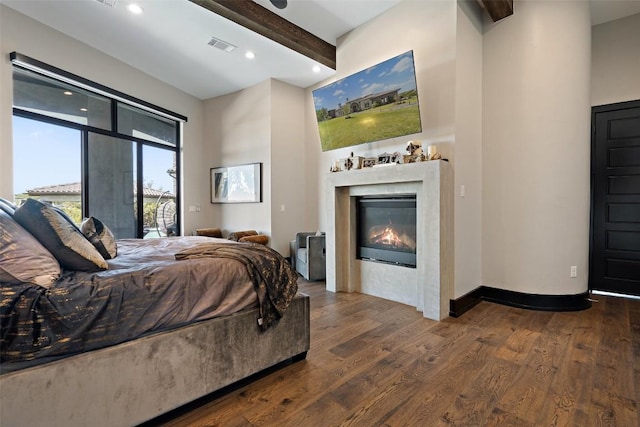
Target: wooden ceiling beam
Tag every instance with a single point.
(257, 18)
(498, 9)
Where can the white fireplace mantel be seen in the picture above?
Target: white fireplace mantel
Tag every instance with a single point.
(428, 287)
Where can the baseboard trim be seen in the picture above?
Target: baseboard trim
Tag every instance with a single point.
(539, 302)
(459, 306)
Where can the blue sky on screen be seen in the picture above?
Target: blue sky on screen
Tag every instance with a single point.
(46, 154)
(394, 73)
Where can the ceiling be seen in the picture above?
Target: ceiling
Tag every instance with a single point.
(170, 39)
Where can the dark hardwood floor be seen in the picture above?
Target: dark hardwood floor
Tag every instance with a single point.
(378, 363)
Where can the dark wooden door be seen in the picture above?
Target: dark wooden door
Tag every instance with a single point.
(615, 211)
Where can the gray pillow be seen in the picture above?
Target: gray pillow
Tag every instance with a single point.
(100, 237)
(22, 257)
(61, 237)
(7, 206)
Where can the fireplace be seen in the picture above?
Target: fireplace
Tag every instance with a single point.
(386, 229)
(428, 286)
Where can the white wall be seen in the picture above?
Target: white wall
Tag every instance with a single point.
(263, 123)
(288, 170)
(468, 156)
(429, 29)
(447, 51)
(536, 148)
(615, 61)
(238, 131)
(24, 35)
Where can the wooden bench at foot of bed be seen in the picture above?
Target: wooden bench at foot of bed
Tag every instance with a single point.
(136, 381)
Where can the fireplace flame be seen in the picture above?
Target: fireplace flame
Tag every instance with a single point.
(388, 236)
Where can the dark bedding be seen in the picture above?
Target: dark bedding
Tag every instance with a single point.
(145, 289)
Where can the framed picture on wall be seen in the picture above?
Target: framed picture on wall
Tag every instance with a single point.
(237, 184)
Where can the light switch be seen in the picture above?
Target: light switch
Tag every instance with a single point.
(462, 191)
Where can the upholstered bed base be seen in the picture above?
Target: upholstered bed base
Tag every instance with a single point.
(136, 381)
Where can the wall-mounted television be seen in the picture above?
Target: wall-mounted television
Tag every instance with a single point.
(378, 103)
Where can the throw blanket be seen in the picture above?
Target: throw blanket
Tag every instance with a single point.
(273, 279)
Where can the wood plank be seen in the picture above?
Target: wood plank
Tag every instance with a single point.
(518, 346)
(634, 320)
(566, 398)
(476, 399)
(526, 396)
(430, 406)
(376, 362)
(614, 389)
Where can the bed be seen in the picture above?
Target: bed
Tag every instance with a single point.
(150, 326)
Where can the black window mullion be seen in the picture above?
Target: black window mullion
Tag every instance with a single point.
(61, 122)
(178, 181)
(139, 191)
(84, 195)
(114, 116)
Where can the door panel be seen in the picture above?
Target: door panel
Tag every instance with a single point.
(615, 211)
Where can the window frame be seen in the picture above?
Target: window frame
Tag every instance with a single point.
(116, 98)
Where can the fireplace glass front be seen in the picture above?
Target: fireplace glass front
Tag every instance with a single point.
(386, 230)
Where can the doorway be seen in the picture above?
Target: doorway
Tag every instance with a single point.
(614, 254)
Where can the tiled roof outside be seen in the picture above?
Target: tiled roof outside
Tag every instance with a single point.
(74, 188)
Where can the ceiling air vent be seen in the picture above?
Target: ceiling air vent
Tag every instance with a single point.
(110, 3)
(221, 44)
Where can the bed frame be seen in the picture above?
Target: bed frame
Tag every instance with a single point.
(136, 381)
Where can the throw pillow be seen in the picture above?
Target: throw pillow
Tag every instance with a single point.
(7, 206)
(237, 235)
(100, 237)
(61, 237)
(22, 257)
(209, 232)
(259, 238)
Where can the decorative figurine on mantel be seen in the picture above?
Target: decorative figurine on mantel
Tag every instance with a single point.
(414, 148)
(433, 153)
(356, 161)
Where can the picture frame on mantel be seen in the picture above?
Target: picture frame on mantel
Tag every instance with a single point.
(237, 184)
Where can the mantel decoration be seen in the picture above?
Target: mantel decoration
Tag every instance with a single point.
(414, 154)
(237, 184)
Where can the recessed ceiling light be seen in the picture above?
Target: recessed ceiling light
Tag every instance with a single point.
(68, 92)
(83, 109)
(316, 68)
(249, 55)
(134, 8)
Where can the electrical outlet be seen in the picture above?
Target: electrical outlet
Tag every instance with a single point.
(574, 271)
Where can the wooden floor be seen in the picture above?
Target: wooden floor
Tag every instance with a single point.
(378, 363)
